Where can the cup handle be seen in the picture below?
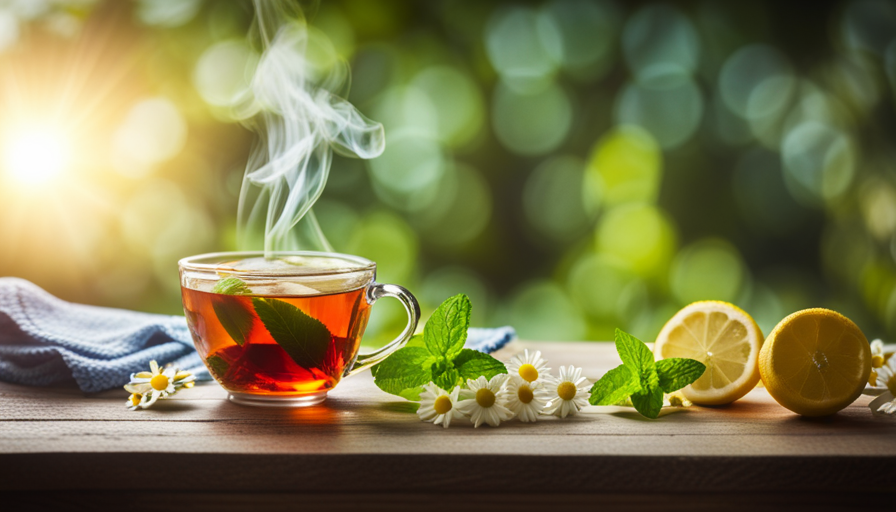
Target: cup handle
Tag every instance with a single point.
(377, 291)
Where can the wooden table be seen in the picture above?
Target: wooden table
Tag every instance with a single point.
(364, 449)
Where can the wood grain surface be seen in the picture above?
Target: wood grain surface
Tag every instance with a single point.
(365, 448)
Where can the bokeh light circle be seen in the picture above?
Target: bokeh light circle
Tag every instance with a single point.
(600, 285)
(458, 103)
(223, 74)
(751, 79)
(819, 161)
(531, 123)
(519, 47)
(625, 166)
(640, 235)
(460, 210)
(541, 310)
(587, 32)
(660, 34)
(553, 200)
(709, 269)
(411, 161)
(152, 132)
(665, 101)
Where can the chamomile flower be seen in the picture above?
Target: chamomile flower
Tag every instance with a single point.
(526, 400)
(528, 366)
(156, 384)
(877, 360)
(438, 406)
(482, 403)
(569, 392)
(135, 401)
(886, 378)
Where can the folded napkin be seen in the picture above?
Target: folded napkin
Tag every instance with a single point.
(45, 340)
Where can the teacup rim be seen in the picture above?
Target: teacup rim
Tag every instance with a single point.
(189, 263)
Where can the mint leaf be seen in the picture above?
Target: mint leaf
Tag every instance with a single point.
(471, 364)
(448, 378)
(446, 330)
(217, 366)
(416, 341)
(235, 317)
(231, 286)
(406, 369)
(649, 403)
(304, 338)
(615, 386)
(633, 352)
(677, 372)
(412, 394)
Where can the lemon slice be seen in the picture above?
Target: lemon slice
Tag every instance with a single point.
(815, 362)
(724, 338)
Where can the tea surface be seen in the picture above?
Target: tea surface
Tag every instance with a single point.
(277, 345)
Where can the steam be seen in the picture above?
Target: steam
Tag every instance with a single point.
(294, 108)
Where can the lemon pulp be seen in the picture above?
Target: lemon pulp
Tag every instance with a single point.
(724, 338)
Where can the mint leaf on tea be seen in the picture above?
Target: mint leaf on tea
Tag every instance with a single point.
(471, 364)
(615, 386)
(406, 369)
(218, 366)
(234, 316)
(678, 372)
(446, 330)
(231, 286)
(303, 337)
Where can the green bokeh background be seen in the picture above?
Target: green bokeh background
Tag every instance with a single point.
(572, 165)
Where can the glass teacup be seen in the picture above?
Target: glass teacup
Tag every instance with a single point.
(283, 330)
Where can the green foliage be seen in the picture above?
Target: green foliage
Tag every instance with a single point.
(235, 316)
(304, 338)
(231, 286)
(218, 366)
(438, 356)
(642, 379)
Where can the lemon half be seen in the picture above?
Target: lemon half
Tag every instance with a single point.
(815, 362)
(724, 338)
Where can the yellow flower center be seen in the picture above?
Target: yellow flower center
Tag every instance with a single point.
(135, 398)
(891, 384)
(485, 398)
(528, 372)
(525, 394)
(877, 361)
(442, 404)
(159, 382)
(566, 390)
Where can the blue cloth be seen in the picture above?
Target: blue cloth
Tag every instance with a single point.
(45, 340)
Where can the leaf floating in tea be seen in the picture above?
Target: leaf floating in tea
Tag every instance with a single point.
(218, 366)
(304, 338)
(235, 317)
(231, 286)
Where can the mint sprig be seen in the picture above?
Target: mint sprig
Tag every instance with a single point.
(438, 357)
(305, 338)
(642, 378)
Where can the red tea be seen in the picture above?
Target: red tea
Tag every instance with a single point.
(277, 345)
